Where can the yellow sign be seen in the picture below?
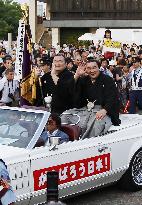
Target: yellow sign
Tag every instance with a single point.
(112, 44)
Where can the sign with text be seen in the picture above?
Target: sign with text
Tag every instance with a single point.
(111, 46)
(73, 170)
(20, 49)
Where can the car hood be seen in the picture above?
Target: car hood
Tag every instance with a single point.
(11, 155)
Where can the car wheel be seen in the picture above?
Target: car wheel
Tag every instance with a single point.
(132, 179)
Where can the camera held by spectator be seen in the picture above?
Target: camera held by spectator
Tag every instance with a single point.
(10, 95)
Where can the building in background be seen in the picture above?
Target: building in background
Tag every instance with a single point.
(69, 19)
(41, 9)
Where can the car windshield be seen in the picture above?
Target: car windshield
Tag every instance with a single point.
(17, 128)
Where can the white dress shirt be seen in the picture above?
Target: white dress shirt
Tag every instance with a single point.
(7, 87)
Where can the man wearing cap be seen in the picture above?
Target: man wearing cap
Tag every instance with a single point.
(45, 65)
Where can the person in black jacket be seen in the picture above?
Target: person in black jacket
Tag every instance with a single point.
(59, 83)
(95, 103)
(99, 89)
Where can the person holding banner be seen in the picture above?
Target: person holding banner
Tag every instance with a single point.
(107, 36)
(110, 47)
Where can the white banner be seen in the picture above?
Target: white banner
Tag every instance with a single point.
(20, 49)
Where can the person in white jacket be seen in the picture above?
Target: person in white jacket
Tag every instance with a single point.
(8, 88)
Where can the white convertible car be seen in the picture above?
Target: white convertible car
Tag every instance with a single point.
(82, 164)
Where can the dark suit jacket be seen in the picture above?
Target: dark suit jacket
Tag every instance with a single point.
(103, 91)
(62, 93)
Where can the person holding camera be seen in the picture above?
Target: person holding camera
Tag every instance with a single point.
(8, 88)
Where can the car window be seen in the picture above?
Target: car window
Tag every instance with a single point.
(17, 128)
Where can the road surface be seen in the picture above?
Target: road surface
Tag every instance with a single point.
(107, 196)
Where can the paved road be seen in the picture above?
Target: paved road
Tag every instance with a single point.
(107, 196)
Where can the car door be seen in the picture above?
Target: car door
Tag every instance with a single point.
(124, 144)
(81, 165)
(20, 180)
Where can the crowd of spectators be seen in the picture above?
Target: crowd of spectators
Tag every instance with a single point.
(107, 83)
(119, 66)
